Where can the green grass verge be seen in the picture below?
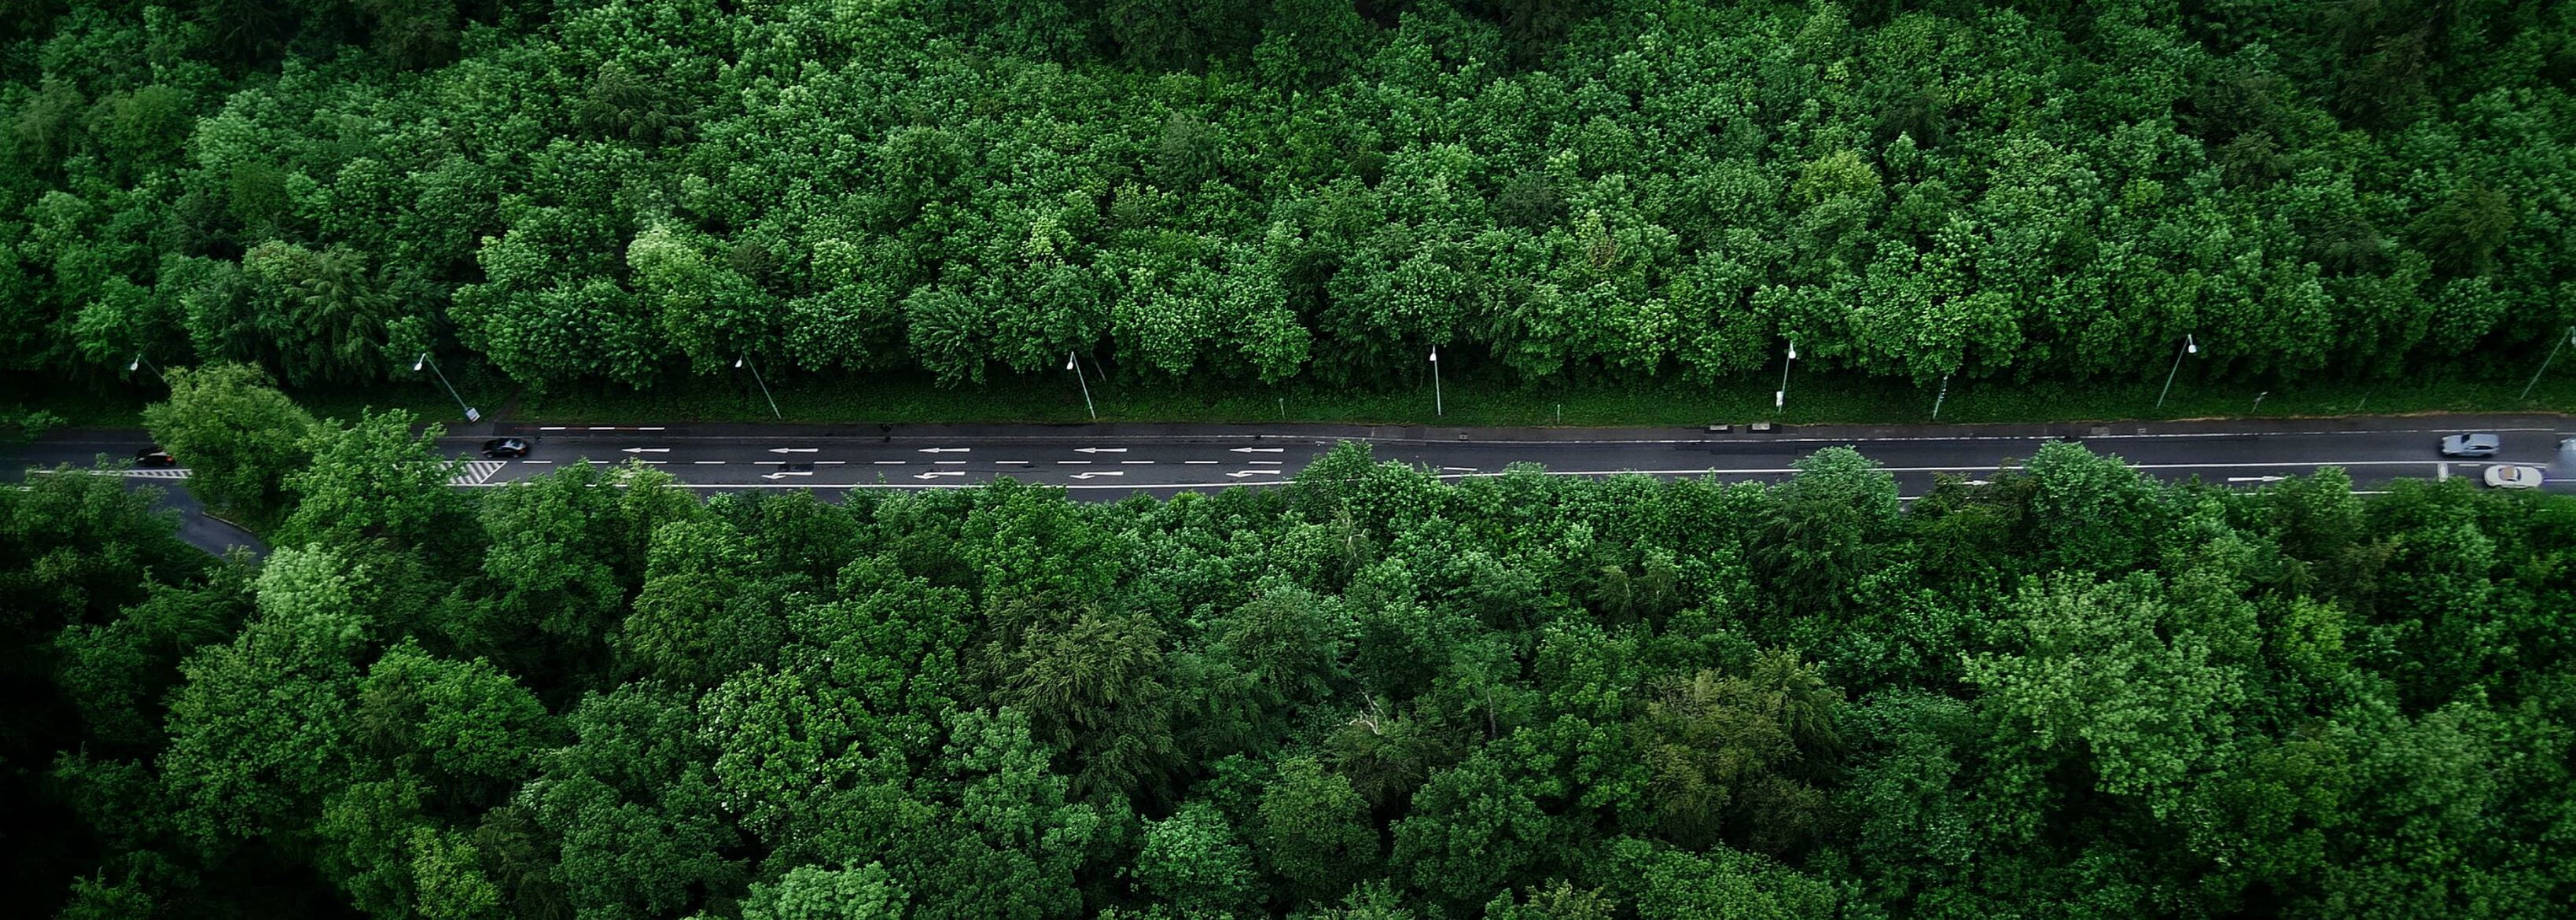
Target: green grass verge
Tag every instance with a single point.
(1812, 399)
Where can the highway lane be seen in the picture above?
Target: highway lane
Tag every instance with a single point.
(1114, 461)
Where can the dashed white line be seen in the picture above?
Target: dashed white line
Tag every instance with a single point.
(1072, 462)
(650, 428)
(603, 428)
(538, 462)
(1198, 462)
(889, 463)
(708, 462)
(551, 428)
(831, 462)
(949, 462)
(1266, 462)
(1136, 462)
(1010, 463)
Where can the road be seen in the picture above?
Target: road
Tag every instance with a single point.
(1115, 461)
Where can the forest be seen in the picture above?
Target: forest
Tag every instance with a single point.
(636, 193)
(2065, 690)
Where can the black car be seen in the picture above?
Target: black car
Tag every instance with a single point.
(505, 447)
(154, 456)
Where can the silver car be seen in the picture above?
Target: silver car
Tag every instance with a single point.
(2470, 445)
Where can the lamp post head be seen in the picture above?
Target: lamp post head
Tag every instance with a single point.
(138, 362)
(1435, 354)
(1793, 349)
(2190, 346)
(737, 362)
(1068, 360)
(417, 362)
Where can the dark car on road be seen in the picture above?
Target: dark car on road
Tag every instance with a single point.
(505, 447)
(2470, 445)
(154, 456)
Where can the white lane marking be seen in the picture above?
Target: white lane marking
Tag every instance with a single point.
(1136, 462)
(769, 463)
(650, 428)
(1010, 463)
(2256, 478)
(794, 450)
(537, 462)
(934, 474)
(1071, 462)
(708, 462)
(832, 462)
(1100, 450)
(596, 462)
(889, 462)
(654, 462)
(949, 462)
(1259, 450)
(603, 428)
(946, 450)
(1093, 473)
(1238, 474)
(476, 472)
(550, 428)
(1459, 469)
(1266, 462)
(648, 450)
(1194, 462)
(782, 473)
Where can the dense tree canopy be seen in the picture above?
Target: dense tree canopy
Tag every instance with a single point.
(634, 191)
(2065, 690)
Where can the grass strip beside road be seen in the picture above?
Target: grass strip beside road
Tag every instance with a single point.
(1812, 399)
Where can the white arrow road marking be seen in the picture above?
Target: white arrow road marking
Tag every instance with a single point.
(648, 450)
(934, 474)
(945, 450)
(1100, 450)
(1100, 473)
(794, 450)
(781, 473)
(1259, 450)
(1238, 474)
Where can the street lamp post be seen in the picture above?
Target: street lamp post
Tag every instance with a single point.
(2189, 347)
(139, 363)
(1780, 397)
(2544, 362)
(1072, 365)
(1944, 394)
(1437, 407)
(744, 362)
(2258, 402)
(417, 363)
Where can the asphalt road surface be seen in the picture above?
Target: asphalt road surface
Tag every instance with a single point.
(1108, 462)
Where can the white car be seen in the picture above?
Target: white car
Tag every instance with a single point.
(2509, 476)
